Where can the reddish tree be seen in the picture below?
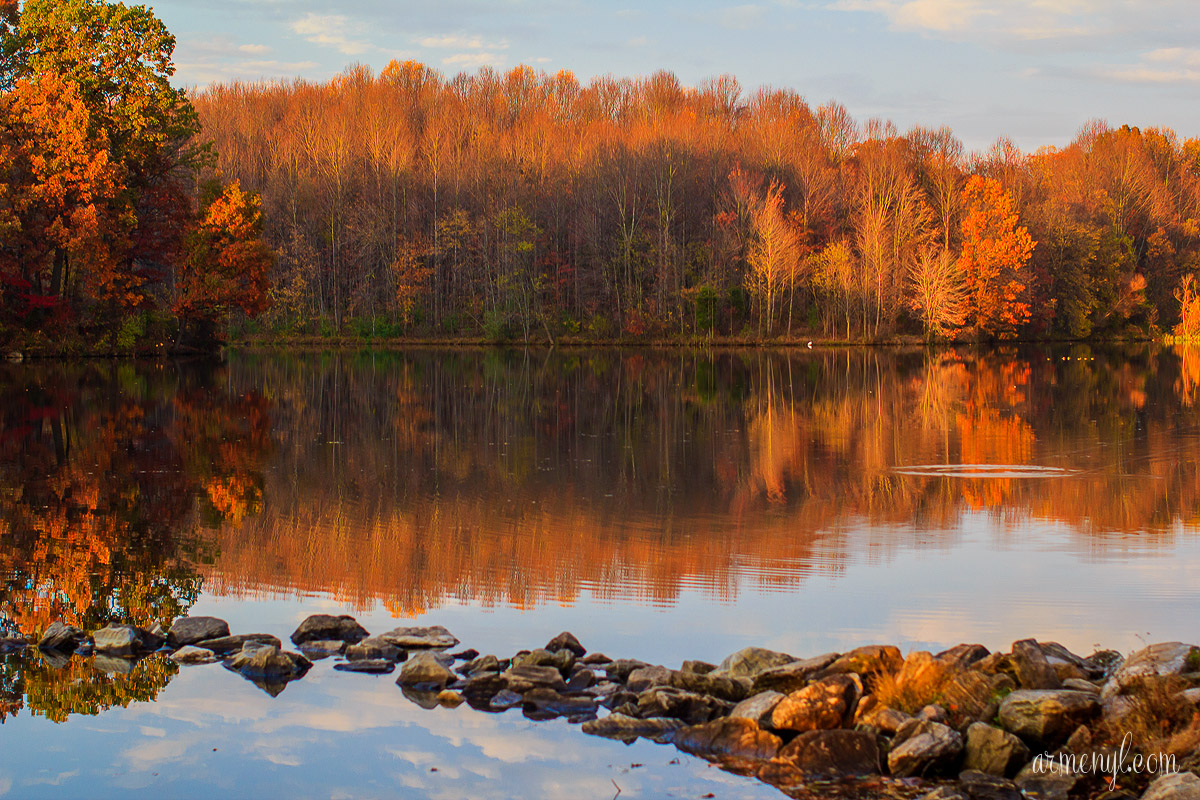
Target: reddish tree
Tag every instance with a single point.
(995, 249)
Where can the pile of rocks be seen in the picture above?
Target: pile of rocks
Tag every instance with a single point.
(796, 723)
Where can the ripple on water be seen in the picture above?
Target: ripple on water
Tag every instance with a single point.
(978, 471)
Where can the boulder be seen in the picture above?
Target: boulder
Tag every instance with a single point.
(424, 671)
(61, 637)
(985, 786)
(626, 728)
(643, 678)
(523, 679)
(193, 655)
(963, 656)
(994, 751)
(434, 637)
(561, 660)
(793, 676)
(750, 661)
(1046, 781)
(1081, 685)
(124, 640)
(757, 708)
(921, 671)
(257, 660)
(580, 680)
(189, 630)
(833, 754)
(622, 668)
(232, 644)
(692, 708)
(874, 716)
(1032, 668)
(727, 738)
(566, 641)
(488, 663)
(1047, 716)
(1174, 786)
(697, 667)
(1157, 660)
(595, 659)
(972, 695)
(923, 748)
(374, 648)
(867, 660)
(822, 705)
(325, 626)
(720, 686)
(372, 666)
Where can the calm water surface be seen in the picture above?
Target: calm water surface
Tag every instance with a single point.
(660, 505)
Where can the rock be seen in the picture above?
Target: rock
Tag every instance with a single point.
(561, 660)
(963, 656)
(725, 688)
(757, 708)
(556, 704)
(793, 676)
(523, 679)
(449, 699)
(1045, 781)
(424, 671)
(984, 786)
(595, 659)
(821, 705)
(971, 695)
(1174, 786)
(833, 754)
(324, 626)
(667, 701)
(620, 726)
(504, 700)
(372, 666)
(1047, 716)
(124, 640)
(434, 637)
(267, 661)
(114, 665)
(11, 644)
(727, 738)
(622, 668)
(922, 747)
(189, 630)
(232, 644)
(697, 667)
(480, 687)
(61, 637)
(876, 717)
(867, 660)
(373, 648)
(994, 751)
(946, 793)
(323, 648)
(1065, 663)
(644, 678)
(487, 663)
(750, 661)
(934, 713)
(1157, 660)
(422, 697)
(14, 356)
(1033, 671)
(193, 655)
(463, 655)
(581, 680)
(921, 670)
(566, 641)
(1081, 685)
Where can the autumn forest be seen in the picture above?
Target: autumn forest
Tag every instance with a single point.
(136, 216)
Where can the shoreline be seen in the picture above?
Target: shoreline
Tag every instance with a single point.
(963, 724)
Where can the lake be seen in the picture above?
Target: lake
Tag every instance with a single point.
(661, 505)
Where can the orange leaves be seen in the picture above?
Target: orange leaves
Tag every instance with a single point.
(995, 249)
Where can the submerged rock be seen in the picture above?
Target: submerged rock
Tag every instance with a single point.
(190, 630)
(323, 648)
(504, 700)
(189, 654)
(61, 637)
(325, 626)
(728, 738)
(833, 754)
(620, 726)
(556, 704)
(432, 638)
(373, 666)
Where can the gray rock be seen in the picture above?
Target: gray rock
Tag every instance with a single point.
(373, 648)
(372, 666)
(553, 703)
(561, 660)
(727, 738)
(434, 637)
(232, 644)
(1047, 716)
(757, 708)
(697, 667)
(1047, 781)
(581, 680)
(922, 747)
(1081, 685)
(1176, 786)
(963, 656)
(124, 640)
(323, 648)
(61, 637)
(596, 659)
(523, 679)
(193, 655)
(833, 754)
(267, 661)
(189, 630)
(646, 677)
(750, 661)
(423, 670)
(622, 668)
(985, 786)
(487, 663)
(324, 626)
(994, 751)
(822, 705)
(793, 676)
(1033, 670)
(621, 726)
(1157, 660)
(504, 700)
(692, 708)
(566, 641)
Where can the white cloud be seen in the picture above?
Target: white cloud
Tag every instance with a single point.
(331, 30)
(1024, 20)
(472, 60)
(461, 43)
(1165, 65)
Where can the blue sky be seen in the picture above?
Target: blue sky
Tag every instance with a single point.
(1034, 70)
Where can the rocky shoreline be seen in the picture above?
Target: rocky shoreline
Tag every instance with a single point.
(964, 724)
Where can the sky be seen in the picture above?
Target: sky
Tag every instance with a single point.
(1032, 70)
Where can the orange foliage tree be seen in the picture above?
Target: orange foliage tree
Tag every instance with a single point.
(995, 248)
